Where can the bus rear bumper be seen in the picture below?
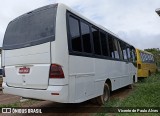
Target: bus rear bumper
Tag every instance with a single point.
(52, 93)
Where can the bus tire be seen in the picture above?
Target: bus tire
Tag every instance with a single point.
(105, 97)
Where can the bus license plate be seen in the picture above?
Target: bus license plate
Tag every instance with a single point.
(24, 70)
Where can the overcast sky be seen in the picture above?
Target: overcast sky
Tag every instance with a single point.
(135, 21)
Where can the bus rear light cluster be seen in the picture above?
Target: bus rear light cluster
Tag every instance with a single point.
(56, 71)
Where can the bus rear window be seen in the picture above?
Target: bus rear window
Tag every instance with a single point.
(30, 29)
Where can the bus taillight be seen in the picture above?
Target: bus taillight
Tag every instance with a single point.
(56, 71)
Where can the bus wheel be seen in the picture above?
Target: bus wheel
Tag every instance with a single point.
(105, 97)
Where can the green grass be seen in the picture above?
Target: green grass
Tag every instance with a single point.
(19, 104)
(10, 105)
(145, 94)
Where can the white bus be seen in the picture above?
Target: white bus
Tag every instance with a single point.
(53, 53)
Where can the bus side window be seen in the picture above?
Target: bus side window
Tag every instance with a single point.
(129, 53)
(104, 44)
(143, 57)
(116, 52)
(124, 52)
(75, 34)
(120, 50)
(96, 41)
(147, 57)
(152, 58)
(133, 54)
(85, 33)
(111, 48)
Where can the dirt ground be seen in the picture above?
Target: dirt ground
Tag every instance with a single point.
(9, 99)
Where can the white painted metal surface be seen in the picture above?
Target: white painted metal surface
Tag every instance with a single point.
(84, 76)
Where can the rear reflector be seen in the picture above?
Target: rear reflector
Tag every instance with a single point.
(56, 71)
(54, 93)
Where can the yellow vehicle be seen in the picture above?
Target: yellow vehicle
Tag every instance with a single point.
(146, 64)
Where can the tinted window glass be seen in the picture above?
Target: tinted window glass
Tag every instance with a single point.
(147, 58)
(116, 52)
(104, 44)
(129, 53)
(153, 59)
(1, 73)
(123, 47)
(120, 50)
(111, 49)
(133, 54)
(86, 37)
(75, 34)
(96, 41)
(142, 57)
(31, 29)
(150, 58)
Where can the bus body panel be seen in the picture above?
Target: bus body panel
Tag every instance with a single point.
(36, 58)
(82, 71)
(59, 47)
(88, 75)
(40, 93)
(132, 68)
(145, 68)
(39, 54)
